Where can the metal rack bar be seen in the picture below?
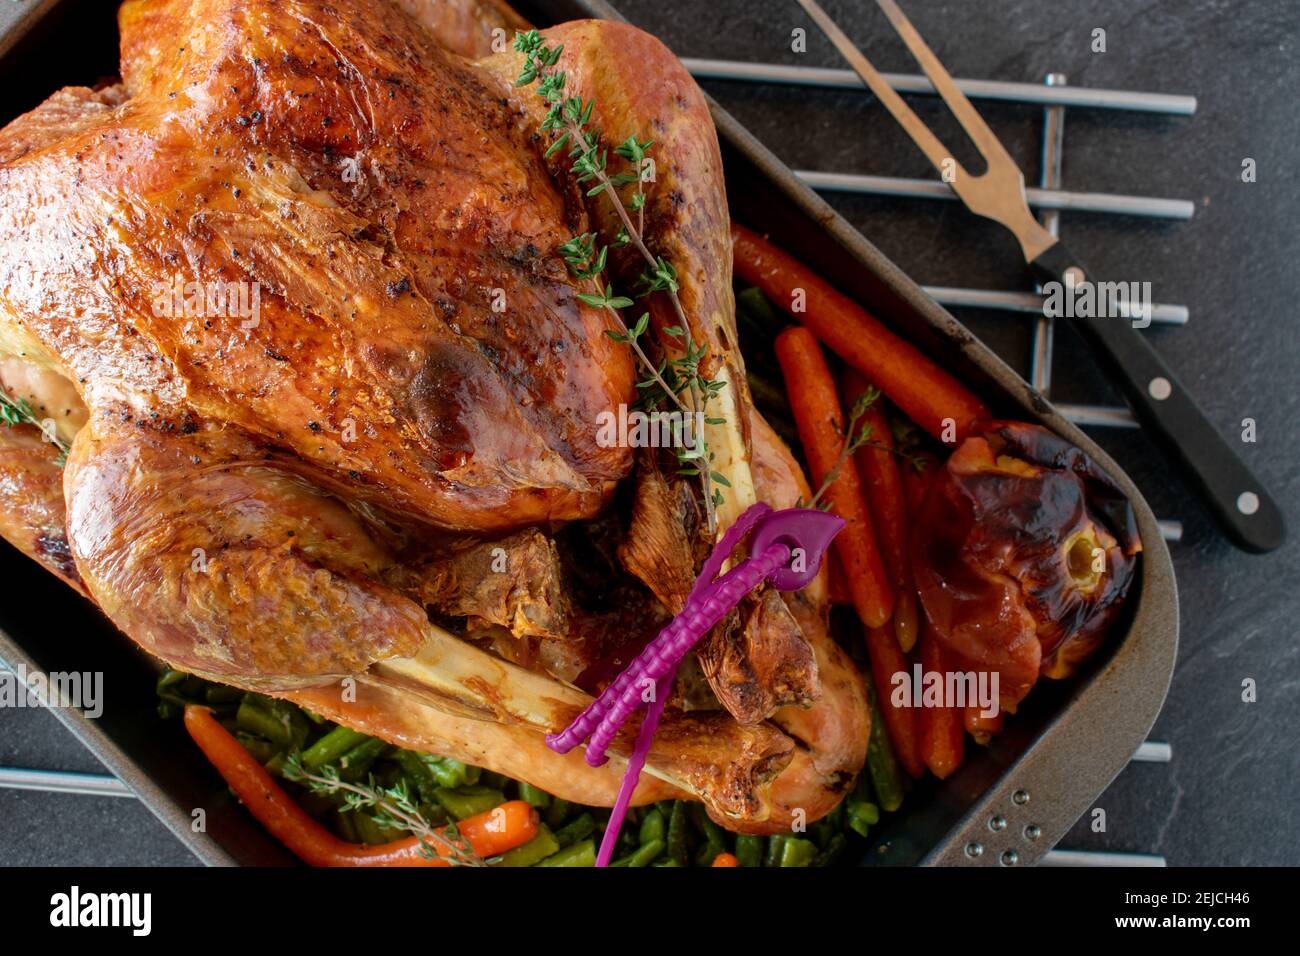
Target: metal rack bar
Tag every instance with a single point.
(1149, 207)
(1094, 858)
(1172, 104)
(1032, 303)
(1154, 751)
(57, 781)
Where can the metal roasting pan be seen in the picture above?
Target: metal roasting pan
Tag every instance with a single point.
(1057, 755)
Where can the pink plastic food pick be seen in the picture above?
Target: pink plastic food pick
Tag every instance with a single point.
(786, 552)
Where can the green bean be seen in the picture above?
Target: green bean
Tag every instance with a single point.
(715, 838)
(862, 816)
(469, 801)
(582, 853)
(882, 765)
(534, 796)
(558, 813)
(418, 774)
(370, 832)
(576, 831)
(179, 687)
(708, 852)
(355, 764)
(252, 718)
(447, 771)
(829, 825)
(678, 823)
(710, 830)
(532, 852)
(487, 778)
(749, 850)
(774, 845)
(643, 855)
(434, 814)
(665, 862)
(289, 716)
(831, 851)
(331, 747)
(797, 852)
(259, 748)
(168, 680)
(220, 694)
(653, 828)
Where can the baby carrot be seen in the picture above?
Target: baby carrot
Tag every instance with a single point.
(926, 393)
(888, 659)
(979, 726)
(878, 468)
(943, 736)
(820, 423)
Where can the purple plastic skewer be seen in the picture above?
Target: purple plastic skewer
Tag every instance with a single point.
(583, 725)
(672, 644)
(645, 736)
(635, 763)
(709, 600)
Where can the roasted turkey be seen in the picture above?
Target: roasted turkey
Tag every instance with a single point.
(373, 484)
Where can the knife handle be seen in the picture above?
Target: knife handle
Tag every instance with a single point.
(1244, 509)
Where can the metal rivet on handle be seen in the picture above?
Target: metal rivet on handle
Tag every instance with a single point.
(974, 849)
(1248, 502)
(997, 824)
(1160, 388)
(1020, 797)
(1010, 858)
(1033, 831)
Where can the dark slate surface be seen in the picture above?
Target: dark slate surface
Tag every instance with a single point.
(1228, 797)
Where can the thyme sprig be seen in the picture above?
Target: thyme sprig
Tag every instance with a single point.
(393, 808)
(855, 437)
(568, 119)
(18, 411)
(859, 436)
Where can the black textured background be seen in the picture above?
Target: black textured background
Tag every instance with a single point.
(1227, 797)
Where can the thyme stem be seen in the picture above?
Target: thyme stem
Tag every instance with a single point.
(567, 119)
(395, 806)
(16, 411)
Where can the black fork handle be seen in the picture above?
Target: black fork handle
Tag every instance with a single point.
(1243, 508)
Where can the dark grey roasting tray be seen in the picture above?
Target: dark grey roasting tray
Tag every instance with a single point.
(1057, 755)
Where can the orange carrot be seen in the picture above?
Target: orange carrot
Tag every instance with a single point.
(878, 467)
(925, 392)
(903, 724)
(982, 728)
(726, 859)
(820, 423)
(943, 736)
(916, 483)
(491, 833)
(837, 589)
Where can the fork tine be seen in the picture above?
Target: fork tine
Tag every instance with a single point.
(998, 193)
(911, 123)
(988, 144)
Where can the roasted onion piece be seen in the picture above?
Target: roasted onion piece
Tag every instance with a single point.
(1023, 552)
